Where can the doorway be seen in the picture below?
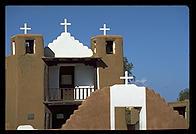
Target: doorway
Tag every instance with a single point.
(60, 113)
(127, 118)
(66, 82)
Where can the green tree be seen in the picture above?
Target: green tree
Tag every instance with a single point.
(184, 94)
(128, 67)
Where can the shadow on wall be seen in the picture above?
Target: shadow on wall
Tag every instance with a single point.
(48, 52)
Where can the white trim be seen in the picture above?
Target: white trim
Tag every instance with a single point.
(126, 96)
(98, 78)
(114, 47)
(13, 48)
(84, 86)
(34, 47)
(185, 114)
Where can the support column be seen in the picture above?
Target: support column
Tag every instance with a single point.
(47, 87)
(98, 86)
(95, 78)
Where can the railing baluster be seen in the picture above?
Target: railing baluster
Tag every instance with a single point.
(86, 93)
(79, 93)
(83, 94)
(76, 93)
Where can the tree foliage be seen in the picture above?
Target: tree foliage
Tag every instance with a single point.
(128, 66)
(184, 94)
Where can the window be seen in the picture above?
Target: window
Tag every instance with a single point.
(66, 79)
(181, 110)
(60, 116)
(30, 117)
(109, 47)
(29, 46)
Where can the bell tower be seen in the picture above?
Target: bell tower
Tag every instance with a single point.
(25, 81)
(110, 49)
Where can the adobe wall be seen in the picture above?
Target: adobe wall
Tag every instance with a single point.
(120, 122)
(25, 84)
(182, 104)
(30, 91)
(93, 114)
(160, 115)
(11, 84)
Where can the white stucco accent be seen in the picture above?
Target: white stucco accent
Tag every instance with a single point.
(114, 47)
(13, 48)
(34, 47)
(128, 95)
(66, 46)
(98, 78)
(25, 127)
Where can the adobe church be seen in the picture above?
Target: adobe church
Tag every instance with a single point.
(45, 85)
(67, 86)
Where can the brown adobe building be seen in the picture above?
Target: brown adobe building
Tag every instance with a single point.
(51, 92)
(32, 96)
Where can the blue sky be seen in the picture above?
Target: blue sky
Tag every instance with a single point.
(155, 38)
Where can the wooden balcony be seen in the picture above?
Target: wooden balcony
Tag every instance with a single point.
(69, 94)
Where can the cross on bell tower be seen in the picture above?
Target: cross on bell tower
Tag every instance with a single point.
(104, 29)
(25, 28)
(66, 24)
(126, 77)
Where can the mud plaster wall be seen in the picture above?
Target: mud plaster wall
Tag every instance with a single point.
(120, 122)
(110, 75)
(160, 115)
(11, 93)
(26, 95)
(93, 114)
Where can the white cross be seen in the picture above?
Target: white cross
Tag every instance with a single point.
(66, 24)
(126, 77)
(25, 28)
(104, 29)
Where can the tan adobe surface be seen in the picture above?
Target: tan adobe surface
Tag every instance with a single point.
(160, 115)
(93, 114)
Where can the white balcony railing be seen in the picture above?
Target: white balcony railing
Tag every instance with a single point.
(77, 93)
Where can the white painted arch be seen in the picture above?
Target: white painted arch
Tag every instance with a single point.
(126, 96)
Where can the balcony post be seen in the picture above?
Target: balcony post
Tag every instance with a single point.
(47, 83)
(95, 78)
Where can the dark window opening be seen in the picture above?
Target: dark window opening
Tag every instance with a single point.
(181, 110)
(66, 77)
(30, 116)
(109, 47)
(29, 46)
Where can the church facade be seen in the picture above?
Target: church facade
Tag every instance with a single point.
(44, 85)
